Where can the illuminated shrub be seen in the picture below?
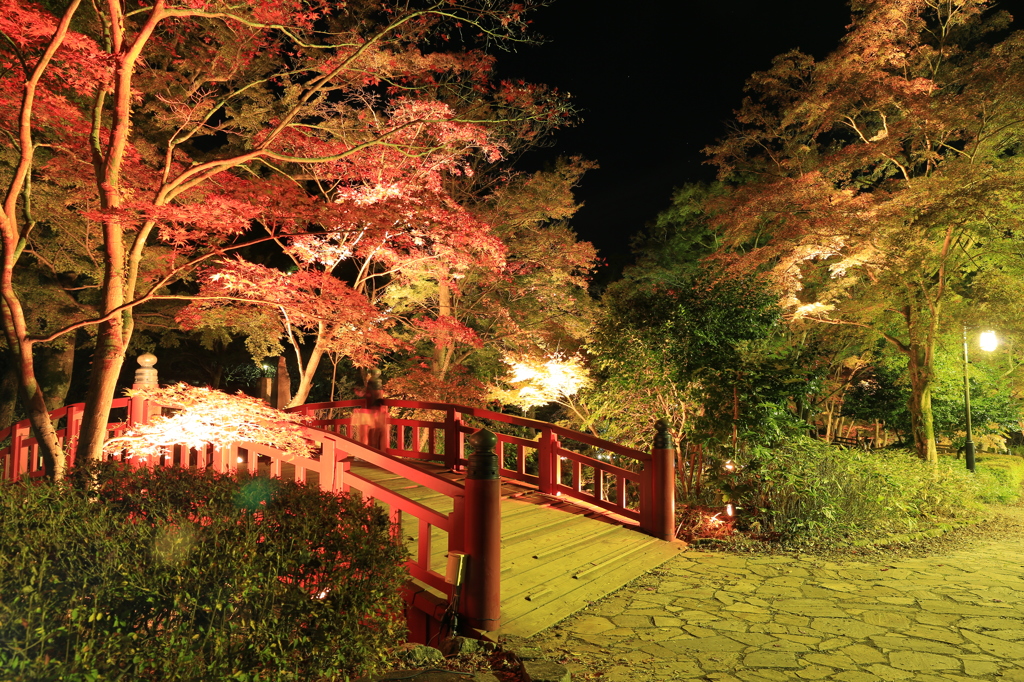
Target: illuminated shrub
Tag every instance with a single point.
(169, 574)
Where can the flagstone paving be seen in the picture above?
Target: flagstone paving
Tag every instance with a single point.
(950, 617)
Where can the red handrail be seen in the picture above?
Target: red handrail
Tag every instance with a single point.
(628, 493)
(406, 438)
(480, 413)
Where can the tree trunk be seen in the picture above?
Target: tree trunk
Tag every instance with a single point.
(107, 361)
(120, 266)
(442, 355)
(307, 372)
(922, 377)
(16, 331)
(53, 456)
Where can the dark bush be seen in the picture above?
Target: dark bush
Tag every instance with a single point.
(804, 491)
(170, 574)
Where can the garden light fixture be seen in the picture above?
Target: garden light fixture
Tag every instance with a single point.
(988, 342)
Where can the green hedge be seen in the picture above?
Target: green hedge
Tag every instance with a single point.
(806, 491)
(169, 574)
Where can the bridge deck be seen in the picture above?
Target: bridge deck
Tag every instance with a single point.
(556, 555)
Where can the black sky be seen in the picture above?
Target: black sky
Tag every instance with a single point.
(656, 81)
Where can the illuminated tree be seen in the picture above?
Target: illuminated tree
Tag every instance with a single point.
(207, 417)
(684, 345)
(522, 294)
(533, 382)
(183, 131)
(882, 184)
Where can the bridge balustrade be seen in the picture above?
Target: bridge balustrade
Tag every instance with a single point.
(642, 495)
(633, 492)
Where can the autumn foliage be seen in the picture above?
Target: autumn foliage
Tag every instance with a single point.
(203, 417)
(879, 186)
(171, 146)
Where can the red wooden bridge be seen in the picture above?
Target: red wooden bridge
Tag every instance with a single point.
(512, 555)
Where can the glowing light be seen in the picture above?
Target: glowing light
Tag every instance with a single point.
(729, 465)
(240, 460)
(811, 309)
(539, 381)
(206, 417)
(989, 341)
(729, 511)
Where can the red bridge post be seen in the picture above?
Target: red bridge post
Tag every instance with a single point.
(453, 440)
(481, 594)
(547, 462)
(662, 516)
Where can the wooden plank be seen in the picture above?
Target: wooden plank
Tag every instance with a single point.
(532, 526)
(421, 494)
(568, 537)
(581, 541)
(511, 508)
(552, 526)
(526, 573)
(553, 603)
(594, 568)
(568, 531)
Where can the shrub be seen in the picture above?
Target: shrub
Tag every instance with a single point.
(169, 574)
(1000, 478)
(804, 490)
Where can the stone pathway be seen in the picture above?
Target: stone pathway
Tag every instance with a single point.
(952, 617)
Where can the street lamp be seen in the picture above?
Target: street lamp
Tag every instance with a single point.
(988, 342)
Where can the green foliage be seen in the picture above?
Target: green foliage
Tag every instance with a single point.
(704, 341)
(882, 393)
(994, 410)
(168, 574)
(1000, 478)
(680, 236)
(806, 491)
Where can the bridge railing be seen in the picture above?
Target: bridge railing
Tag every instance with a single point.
(330, 470)
(636, 492)
(644, 497)
(21, 456)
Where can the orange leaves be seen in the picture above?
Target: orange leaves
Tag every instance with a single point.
(446, 331)
(308, 301)
(78, 68)
(336, 129)
(217, 215)
(457, 386)
(849, 171)
(208, 417)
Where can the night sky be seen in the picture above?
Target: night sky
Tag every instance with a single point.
(656, 81)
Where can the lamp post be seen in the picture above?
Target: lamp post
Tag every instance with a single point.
(988, 342)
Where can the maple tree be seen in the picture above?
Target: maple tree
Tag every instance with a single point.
(555, 379)
(184, 131)
(879, 186)
(523, 294)
(205, 417)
